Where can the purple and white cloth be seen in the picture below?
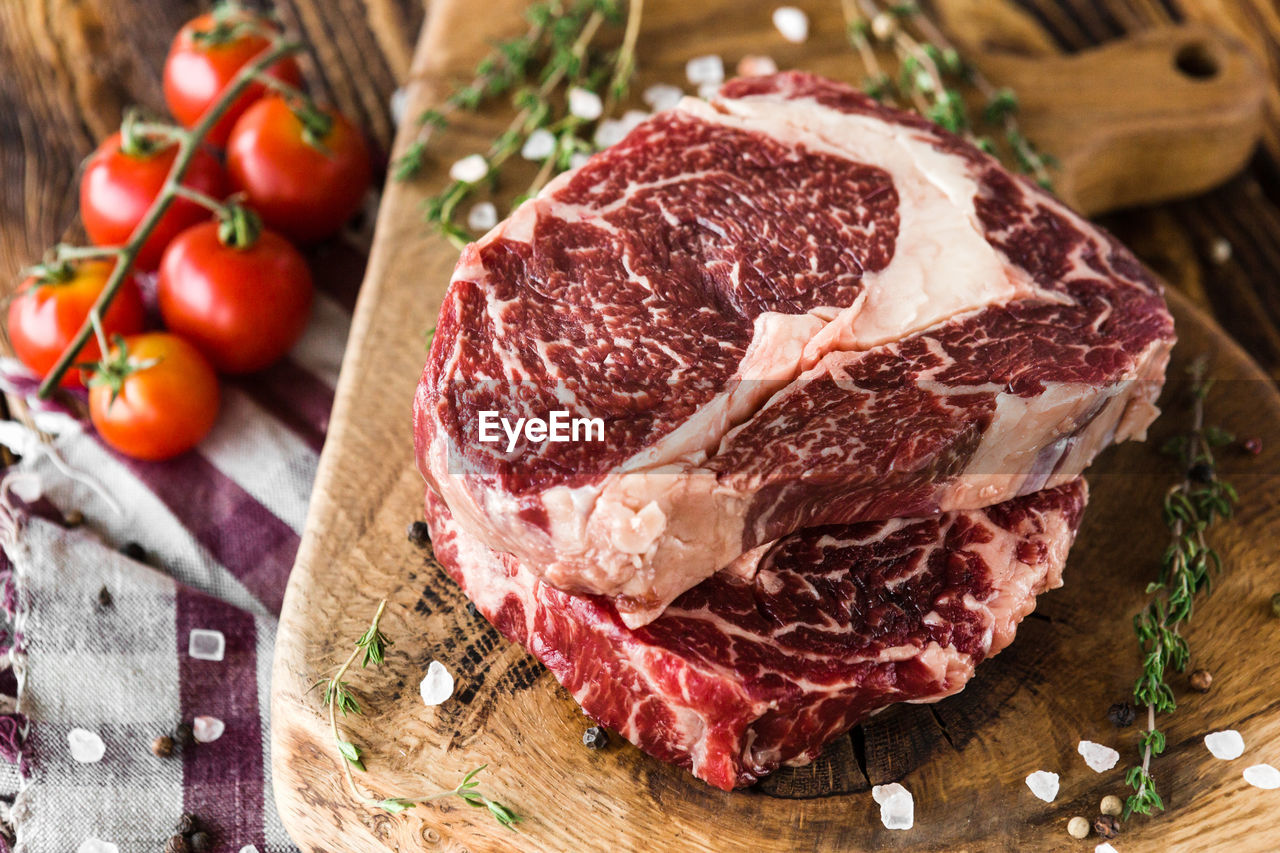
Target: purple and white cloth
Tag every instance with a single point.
(219, 527)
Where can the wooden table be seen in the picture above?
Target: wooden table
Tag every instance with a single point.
(71, 66)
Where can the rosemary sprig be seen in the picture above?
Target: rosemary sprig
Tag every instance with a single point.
(554, 53)
(1190, 508)
(370, 649)
(931, 71)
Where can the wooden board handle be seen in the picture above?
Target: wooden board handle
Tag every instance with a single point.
(1160, 115)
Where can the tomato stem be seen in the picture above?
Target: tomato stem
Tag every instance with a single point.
(206, 201)
(188, 145)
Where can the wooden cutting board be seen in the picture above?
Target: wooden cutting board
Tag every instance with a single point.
(1135, 127)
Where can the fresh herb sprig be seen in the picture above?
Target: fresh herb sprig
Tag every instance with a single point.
(370, 649)
(931, 74)
(1191, 507)
(554, 53)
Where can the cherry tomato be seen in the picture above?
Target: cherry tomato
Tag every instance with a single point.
(304, 191)
(166, 397)
(242, 308)
(46, 313)
(118, 187)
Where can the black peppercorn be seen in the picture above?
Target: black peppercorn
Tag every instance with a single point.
(162, 746)
(188, 824)
(1121, 715)
(201, 842)
(134, 551)
(104, 597)
(471, 609)
(1201, 680)
(1201, 472)
(1106, 826)
(177, 844)
(419, 534)
(595, 738)
(183, 735)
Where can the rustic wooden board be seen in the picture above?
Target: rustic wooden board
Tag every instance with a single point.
(964, 758)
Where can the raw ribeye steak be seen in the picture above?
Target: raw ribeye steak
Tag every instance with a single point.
(790, 306)
(739, 677)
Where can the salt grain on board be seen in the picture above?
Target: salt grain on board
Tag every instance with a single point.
(609, 132)
(206, 644)
(1100, 758)
(1262, 776)
(1227, 745)
(578, 159)
(469, 169)
(540, 145)
(86, 747)
(897, 807)
(705, 69)
(437, 685)
(1104, 847)
(585, 104)
(207, 729)
(756, 66)
(399, 98)
(482, 216)
(707, 91)
(95, 845)
(1044, 785)
(792, 23)
(248, 848)
(662, 96)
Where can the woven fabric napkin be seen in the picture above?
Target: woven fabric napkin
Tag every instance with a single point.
(99, 642)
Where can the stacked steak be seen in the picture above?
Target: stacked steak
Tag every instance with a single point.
(848, 371)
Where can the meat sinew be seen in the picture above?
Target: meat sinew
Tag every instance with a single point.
(790, 307)
(738, 677)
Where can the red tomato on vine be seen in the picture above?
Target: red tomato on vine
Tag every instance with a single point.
(204, 57)
(123, 178)
(242, 296)
(305, 170)
(154, 396)
(50, 307)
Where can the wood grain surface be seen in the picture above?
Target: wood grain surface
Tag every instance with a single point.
(964, 758)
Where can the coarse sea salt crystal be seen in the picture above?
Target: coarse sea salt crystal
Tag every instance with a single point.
(1227, 745)
(756, 66)
(707, 91)
(705, 69)
(540, 145)
(897, 807)
(610, 132)
(86, 747)
(578, 159)
(585, 104)
(662, 96)
(207, 729)
(248, 848)
(1044, 785)
(206, 644)
(97, 845)
(1104, 847)
(792, 23)
(482, 216)
(399, 98)
(1099, 758)
(1262, 776)
(437, 684)
(469, 169)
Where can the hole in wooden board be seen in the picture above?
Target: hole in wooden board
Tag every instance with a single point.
(1197, 61)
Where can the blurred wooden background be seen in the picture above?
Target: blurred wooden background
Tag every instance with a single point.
(69, 67)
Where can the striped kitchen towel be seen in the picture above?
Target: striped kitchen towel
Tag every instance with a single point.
(99, 642)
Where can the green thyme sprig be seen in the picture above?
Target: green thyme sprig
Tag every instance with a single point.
(1187, 567)
(931, 77)
(555, 52)
(371, 649)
